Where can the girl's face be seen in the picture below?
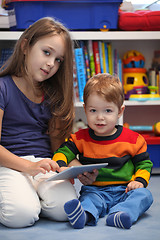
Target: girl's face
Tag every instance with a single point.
(102, 116)
(45, 57)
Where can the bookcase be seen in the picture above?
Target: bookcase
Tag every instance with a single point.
(136, 113)
(140, 113)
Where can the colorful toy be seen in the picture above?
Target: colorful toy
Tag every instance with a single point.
(144, 97)
(155, 128)
(153, 89)
(135, 79)
(134, 74)
(133, 59)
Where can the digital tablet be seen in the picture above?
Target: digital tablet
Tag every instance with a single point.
(74, 171)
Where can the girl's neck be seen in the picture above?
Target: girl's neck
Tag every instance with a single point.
(28, 89)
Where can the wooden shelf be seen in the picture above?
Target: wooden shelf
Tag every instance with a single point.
(96, 35)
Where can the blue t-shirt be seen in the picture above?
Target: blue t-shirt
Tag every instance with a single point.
(25, 123)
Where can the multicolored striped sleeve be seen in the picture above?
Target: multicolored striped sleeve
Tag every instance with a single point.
(142, 162)
(66, 153)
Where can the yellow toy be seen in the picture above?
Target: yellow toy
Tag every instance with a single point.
(133, 78)
(134, 74)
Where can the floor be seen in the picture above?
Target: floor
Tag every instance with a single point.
(147, 227)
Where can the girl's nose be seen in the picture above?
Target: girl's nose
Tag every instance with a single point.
(51, 62)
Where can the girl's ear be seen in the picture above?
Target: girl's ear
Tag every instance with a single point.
(121, 111)
(23, 46)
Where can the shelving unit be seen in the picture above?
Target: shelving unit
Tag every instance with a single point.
(136, 113)
(144, 41)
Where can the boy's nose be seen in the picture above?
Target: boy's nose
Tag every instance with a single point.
(100, 116)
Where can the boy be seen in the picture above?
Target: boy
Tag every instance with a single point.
(120, 189)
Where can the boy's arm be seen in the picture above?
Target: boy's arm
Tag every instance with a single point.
(74, 162)
(65, 154)
(142, 163)
(85, 178)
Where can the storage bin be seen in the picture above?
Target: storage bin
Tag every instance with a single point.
(154, 153)
(153, 148)
(76, 15)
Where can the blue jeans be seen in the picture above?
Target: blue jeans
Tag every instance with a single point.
(99, 201)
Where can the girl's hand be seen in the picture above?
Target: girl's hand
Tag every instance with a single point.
(64, 168)
(88, 178)
(42, 166)
(133, 185)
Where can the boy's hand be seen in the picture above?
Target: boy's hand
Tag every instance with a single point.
(42, 166)
(88, 178)
(133, 185)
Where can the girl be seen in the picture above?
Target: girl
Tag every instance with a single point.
(36, 115)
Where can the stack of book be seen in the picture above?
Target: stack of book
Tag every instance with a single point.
(7, 18)
(5, 54)
(93, 57)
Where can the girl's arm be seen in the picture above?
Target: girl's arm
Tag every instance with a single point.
(10, 160)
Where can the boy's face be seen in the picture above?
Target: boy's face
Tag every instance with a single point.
(102, 116)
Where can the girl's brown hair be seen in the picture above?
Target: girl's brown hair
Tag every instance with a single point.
(106, 85)
(59, 88)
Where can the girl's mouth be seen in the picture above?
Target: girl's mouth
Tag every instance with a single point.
(45, 71)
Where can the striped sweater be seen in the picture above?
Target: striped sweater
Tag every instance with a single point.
(125, 152)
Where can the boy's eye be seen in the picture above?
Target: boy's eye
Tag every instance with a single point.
(108, 110)
(93, 110)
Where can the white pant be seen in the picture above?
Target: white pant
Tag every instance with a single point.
(23, 198)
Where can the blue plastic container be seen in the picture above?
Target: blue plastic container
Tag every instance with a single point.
(154, 153)
(76, 15)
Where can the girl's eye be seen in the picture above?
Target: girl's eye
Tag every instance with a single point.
(46, 52)
(58, 60)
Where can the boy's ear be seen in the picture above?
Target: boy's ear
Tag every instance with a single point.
(23, 46)
(121, 111)
(84, 107)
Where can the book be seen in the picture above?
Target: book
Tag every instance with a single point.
(80, 66)
(7, 18)
(110, 63)
(106, 57)
(100, 56)
(120, 75)
(5, 54)
(91, 58)
(96, 57)
(115, 61)
(152, 77)
(103, 57)
(86, 58)
(75, 82)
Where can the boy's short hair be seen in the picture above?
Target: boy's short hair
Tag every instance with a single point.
(107, 86)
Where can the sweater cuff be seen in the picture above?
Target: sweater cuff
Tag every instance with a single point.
(61, 159)
(142, 180)
(61, 163)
